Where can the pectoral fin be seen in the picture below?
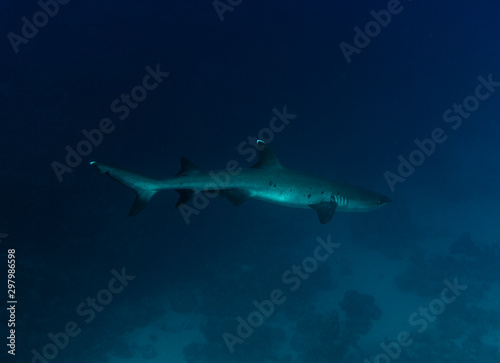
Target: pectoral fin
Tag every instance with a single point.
(325, 211)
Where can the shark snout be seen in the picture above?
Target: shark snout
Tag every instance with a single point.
(383, 200)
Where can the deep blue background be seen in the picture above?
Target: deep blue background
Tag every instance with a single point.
(353, 120)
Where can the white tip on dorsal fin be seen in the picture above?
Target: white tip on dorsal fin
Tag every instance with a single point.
(267, 158)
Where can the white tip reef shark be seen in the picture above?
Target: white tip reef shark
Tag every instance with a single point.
(268, 180)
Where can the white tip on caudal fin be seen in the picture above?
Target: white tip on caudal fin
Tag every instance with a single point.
(142, 185)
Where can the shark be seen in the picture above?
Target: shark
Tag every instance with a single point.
(267, 180)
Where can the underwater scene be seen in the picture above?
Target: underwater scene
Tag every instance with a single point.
(228, 181)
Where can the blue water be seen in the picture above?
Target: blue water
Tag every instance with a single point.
(398, 97)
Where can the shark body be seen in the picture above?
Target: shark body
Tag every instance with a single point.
(267, 180)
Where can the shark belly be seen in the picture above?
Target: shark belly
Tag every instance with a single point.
(281, 199)
(288, 189)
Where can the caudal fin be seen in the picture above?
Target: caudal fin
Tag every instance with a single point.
(143, 186)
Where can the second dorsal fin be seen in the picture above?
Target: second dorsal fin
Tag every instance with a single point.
(188, 167)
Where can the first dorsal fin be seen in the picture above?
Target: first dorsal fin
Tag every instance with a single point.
(267, 158)
(188, 167)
